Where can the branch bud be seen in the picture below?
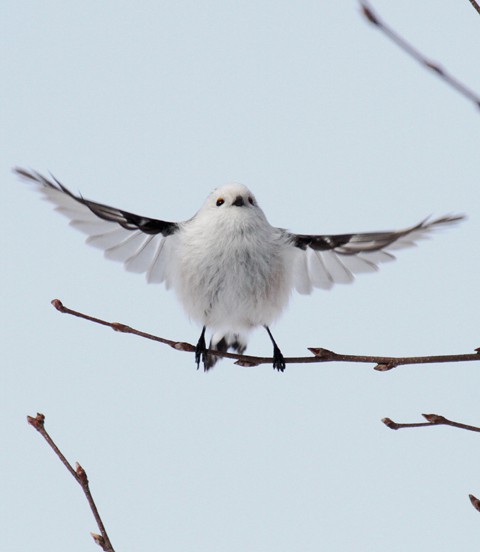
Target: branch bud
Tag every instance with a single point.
(390, 423)
(369, 14)
(434, 418)
(384, 367)
(38, 422)
(58, 305)
(475, 502)
(182, 346)
(99, 540)
(246, 363)
(320, 352)
(81, 474)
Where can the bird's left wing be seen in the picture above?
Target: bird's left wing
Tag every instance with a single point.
(328, 260)
(137, 241)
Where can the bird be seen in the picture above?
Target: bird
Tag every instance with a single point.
(231, 270)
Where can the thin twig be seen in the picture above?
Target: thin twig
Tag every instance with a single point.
(432, 420)
(80, 477)
(475, 6)
(461, 88)
(382, 364)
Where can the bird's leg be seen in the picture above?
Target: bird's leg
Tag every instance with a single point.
(278, 360)
(200, 349)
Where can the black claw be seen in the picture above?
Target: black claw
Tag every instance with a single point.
(278, 360)
(200, 350)
(199, 355)
(208, 361)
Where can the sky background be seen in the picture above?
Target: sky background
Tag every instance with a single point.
(148, 106)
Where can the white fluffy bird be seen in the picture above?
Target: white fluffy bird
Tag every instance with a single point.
(230, 268)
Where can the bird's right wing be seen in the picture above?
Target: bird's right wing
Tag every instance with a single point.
(141, 243)
(335, 259)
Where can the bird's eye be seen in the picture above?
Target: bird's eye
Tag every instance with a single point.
(250, 200)
(220, 201)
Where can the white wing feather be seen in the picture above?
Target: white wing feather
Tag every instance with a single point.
(328, 260)
(139, 251)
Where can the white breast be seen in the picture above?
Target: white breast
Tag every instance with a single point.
(233, 273)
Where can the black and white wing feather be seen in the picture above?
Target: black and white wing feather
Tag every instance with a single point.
(329, 260)
(139, 242)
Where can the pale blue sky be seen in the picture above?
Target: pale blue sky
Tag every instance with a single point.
(148, 106)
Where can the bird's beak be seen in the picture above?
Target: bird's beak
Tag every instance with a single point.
(239, 201)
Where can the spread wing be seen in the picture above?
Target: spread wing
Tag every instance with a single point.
(328, 260)
(141, 243)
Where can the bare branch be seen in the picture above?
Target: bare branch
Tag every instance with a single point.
(461, 88)
(475, 6)
(382, 364)
(432, 420)
(80, 477)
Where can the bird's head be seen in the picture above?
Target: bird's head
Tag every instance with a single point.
(231, 196)
(232, 202)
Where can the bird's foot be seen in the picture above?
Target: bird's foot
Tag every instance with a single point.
(200, 350)
(278, 360)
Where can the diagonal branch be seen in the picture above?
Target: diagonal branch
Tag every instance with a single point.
(404, 45)
(475, 6)
(432, 420)
(382, 364)
(80, 477)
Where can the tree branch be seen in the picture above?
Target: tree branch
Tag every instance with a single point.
(382, 364)
(453, 82)
(476, 7)
(432, 420)
(80, 477)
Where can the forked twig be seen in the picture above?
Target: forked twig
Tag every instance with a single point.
(404, 45)
(382, 364)
(80, 477)
(436, 420)
(432, 420)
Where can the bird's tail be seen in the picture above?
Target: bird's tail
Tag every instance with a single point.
(224, 342)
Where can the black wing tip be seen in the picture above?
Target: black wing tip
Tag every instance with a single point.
(35, 176)
(51, 182)
(26, 173)
(127, 220)
(450, 218)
